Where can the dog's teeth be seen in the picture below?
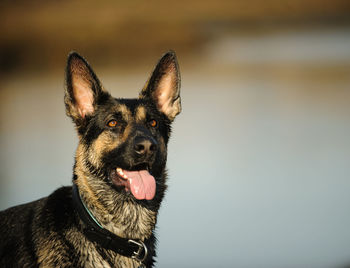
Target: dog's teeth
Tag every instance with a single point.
(121, 173)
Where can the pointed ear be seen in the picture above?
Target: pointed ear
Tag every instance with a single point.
(83, 89)
(163, 87)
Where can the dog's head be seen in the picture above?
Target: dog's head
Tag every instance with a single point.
(123, 142)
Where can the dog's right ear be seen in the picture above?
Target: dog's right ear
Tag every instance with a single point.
(163, 87)
(83, 90)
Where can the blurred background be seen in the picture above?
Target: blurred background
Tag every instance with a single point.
(259, 160)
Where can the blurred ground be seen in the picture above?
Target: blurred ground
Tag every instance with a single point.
(38, 34)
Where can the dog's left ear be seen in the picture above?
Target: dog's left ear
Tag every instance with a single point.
(83, 89)
(163, 87)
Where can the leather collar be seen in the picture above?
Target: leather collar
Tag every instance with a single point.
(132, 248)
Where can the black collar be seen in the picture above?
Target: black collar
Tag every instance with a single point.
(135, 249)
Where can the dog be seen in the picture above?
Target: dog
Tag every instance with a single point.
(108, 216)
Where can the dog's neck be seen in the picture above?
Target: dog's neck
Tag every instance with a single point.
(121, 216)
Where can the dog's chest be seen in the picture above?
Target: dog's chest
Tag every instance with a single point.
(94, 259)
(131, 221)
(90, 256)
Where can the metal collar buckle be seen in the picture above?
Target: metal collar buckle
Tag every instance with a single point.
(137, 255)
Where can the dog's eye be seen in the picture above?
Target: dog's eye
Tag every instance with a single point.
(153, 123)
(112, 123)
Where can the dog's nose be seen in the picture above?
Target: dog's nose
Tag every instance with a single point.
(145, 146)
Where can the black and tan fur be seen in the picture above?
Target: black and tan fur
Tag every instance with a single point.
(47, 232)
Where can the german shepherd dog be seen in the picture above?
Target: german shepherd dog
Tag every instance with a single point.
(107, 218)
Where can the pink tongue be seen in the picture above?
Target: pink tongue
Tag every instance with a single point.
(141, 183)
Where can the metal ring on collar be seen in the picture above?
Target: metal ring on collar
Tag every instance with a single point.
(137, 254)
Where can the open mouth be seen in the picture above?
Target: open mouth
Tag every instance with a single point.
(140, 183)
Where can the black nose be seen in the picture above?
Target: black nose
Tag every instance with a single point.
(145, 146)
